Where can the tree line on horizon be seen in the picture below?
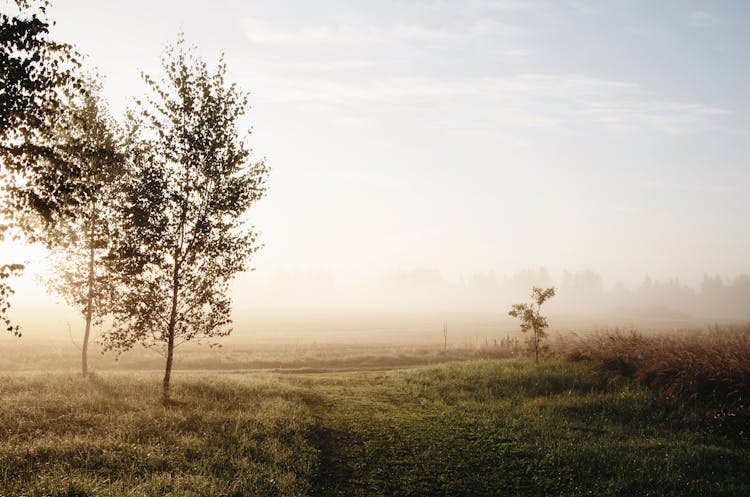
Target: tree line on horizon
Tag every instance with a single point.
(145, 217)
(581, 292)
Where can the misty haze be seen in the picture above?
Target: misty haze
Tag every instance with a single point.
(470, 248)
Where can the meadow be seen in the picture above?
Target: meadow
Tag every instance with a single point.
(452, 425)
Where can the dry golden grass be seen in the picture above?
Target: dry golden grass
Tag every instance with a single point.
(25, 356)
(711, 366)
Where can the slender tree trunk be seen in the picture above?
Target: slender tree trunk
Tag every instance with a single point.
(536, 334)
(89, 296)
(89, 314)
(165, 399)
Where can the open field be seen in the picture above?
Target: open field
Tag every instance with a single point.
(272, 358)
(477, 427)
(341, 341)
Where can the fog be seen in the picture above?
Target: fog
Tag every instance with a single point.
(580, 293)
(411, 306)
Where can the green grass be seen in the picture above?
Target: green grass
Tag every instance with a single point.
(512, 428)
(62, 436)
(475, 428)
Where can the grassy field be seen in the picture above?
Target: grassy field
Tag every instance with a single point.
(20, 355)
(63, 436)
(503, 427)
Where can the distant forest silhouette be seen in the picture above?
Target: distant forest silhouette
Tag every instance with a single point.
(581, 293)
(584, 290)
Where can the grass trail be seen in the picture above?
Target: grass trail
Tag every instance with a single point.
(510, 428)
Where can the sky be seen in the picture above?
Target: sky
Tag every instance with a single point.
(470, 136)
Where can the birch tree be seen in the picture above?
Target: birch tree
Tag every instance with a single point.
(79, 232)
(191, 183)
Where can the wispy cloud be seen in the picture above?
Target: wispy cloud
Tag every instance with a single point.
(700, 19)
(505, 5)
(265, 32)
(525, 101)
(365, 72)
(516, 52)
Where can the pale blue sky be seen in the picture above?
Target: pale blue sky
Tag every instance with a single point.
(473, 136)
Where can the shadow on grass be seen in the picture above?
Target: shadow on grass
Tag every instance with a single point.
(337, 469)
(103, 386)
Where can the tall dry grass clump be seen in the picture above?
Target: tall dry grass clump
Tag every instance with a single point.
(711, 366)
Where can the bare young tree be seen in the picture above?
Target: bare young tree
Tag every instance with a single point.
(532, 321)
(185, 232)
